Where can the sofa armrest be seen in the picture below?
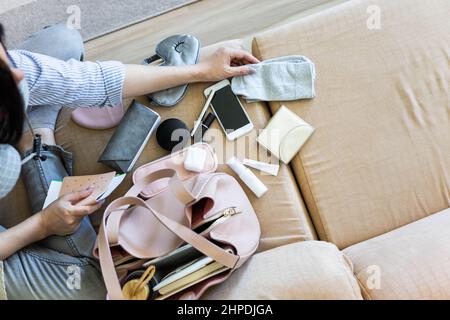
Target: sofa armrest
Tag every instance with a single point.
(304, 270)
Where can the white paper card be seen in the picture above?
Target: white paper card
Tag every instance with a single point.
(55, 188)
(53, 192)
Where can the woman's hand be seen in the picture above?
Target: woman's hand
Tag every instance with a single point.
(63, 217)
(225, 60)
(217, 62)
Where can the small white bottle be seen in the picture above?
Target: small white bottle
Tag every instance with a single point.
(248, 177)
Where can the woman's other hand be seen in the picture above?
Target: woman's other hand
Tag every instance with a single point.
(64, 216)
(225, 60)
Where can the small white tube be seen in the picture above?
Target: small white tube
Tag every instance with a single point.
(262, 166)
(248, 177)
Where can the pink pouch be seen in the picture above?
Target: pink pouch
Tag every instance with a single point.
(98, 118)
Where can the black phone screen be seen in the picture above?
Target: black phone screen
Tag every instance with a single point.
(228, 109)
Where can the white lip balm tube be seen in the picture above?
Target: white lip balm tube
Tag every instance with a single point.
(262, 166)
(248, 177)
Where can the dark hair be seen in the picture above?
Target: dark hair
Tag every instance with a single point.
(11, 104)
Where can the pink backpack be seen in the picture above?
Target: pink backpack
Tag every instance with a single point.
(158, 213)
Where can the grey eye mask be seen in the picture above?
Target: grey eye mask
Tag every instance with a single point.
(178, 50)
(279, 79)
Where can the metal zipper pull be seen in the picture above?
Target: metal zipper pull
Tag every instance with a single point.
(230, 211)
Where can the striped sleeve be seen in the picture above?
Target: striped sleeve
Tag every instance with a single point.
(70, 83)
(2, 283)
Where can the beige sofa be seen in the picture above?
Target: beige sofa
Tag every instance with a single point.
(363, 210)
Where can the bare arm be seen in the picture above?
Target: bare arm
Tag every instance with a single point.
(216, 64)
(62, 217)
(20, 236)
(141, 80)
(104, 83)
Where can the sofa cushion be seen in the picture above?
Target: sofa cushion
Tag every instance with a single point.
(412, 262)
(307, 270)
(380, 154)
(281, 211)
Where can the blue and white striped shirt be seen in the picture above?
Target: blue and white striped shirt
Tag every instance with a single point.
(70, 83)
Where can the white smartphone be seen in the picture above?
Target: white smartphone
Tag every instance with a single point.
(229, 111)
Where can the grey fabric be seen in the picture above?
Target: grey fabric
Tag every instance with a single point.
(24, 93)
(40, 273)
(57, 165)
(279, 79)
(59, 42)
(23, 17)
(42, 270)
(42, 117)
(47, 270)
(9, 168)
(3, 295)
(177, 50)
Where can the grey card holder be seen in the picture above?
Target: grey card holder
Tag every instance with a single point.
(128, 141)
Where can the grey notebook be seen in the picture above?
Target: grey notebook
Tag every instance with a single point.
(130, 138)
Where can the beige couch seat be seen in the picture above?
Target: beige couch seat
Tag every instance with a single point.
(412, 262)
(307, 270)
(380, 155)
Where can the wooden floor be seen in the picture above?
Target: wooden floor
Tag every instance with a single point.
(209, 20)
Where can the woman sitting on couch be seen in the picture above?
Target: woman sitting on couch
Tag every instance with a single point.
(49, 255)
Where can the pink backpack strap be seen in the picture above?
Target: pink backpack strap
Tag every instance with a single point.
(175, 185)
(197, 241)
